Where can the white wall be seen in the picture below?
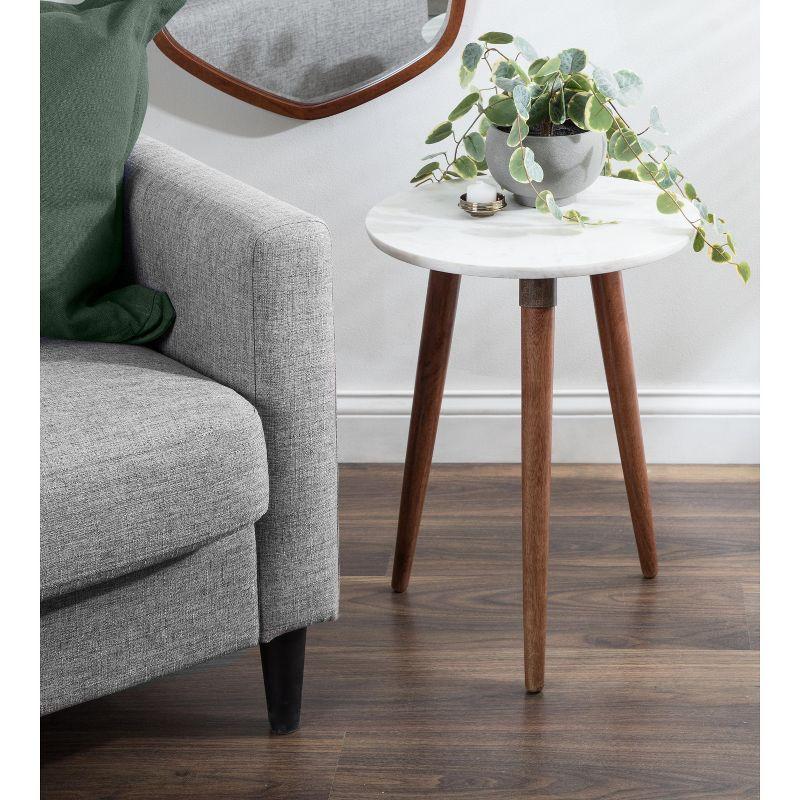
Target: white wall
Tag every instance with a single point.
(695, 326)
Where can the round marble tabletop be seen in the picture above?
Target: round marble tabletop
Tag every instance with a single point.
(424, 226)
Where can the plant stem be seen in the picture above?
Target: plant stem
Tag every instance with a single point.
(458, 142)
(495, 50)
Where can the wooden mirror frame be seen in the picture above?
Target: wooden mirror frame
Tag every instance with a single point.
(290, 108)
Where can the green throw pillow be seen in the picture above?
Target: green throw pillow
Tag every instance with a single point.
(93, 100)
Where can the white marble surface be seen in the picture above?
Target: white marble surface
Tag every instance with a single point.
(424, 226)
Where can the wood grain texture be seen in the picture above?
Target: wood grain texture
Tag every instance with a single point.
(652, 686)
(538, 330)
(615, 344)
(249, 93)
(434, 352)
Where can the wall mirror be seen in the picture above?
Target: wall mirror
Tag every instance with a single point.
(309, 58)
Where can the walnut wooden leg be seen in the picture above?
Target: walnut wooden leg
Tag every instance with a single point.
(537, 299)
(434, 351)
(615, 342)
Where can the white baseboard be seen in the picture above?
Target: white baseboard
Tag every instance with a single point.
(680, 427)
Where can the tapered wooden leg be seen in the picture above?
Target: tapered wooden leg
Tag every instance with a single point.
(537, 298)
(615, 342)
(434, 351)
(282, 663)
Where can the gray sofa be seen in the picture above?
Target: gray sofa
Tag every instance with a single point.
(188, 491)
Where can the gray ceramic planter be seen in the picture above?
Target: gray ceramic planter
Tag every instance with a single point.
(570, 163)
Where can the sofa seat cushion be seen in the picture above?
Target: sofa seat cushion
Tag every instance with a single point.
(142, 460)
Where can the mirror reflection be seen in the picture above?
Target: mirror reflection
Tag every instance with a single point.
(309, 51)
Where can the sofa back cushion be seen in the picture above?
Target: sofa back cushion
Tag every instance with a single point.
(93, 99)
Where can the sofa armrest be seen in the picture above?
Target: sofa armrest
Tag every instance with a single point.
(250, 279)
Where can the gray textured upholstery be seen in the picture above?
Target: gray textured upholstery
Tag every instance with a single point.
(250, 279)
(141, 459)
(158, 620)
(305, 51)
(157, 463)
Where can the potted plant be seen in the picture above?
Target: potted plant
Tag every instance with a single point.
(547, 127)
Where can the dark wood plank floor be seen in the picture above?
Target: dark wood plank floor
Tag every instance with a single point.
(652, 686)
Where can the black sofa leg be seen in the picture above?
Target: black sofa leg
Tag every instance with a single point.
(282, 661)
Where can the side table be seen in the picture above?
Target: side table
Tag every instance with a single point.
(425, 227)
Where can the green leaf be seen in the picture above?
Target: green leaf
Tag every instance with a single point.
(630, 86)
(496, 37)
(546, 203)
(520, 70)
(699, 240)
(523, 166)
(501, 110)
(464, 106)
(465, 167)
(553, 207)
(647, 145)
(522, 100)
(624, 146)
(483, 125)
(425, 171)
(526, 48)
(667, 203)
(655, 121)
(539, 110)
(628, 174)
(606, 83)
(576, 109)
(743, 268)
(572, 60)
(465, 76)
(471, 56)
(536, 66)
(507, 84)
(550, 67)
(434, 155)
(579, 83)
(701, 209)
(541, 201)
(546, 81)
(691, 192)
(504, 69)
(519, 130)
(441, 131)
(597, 116)
(475, 145)
(663, 177)
(719, 254)
(558, 108)
(647, 171)
(573, 215)
(729, 240)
